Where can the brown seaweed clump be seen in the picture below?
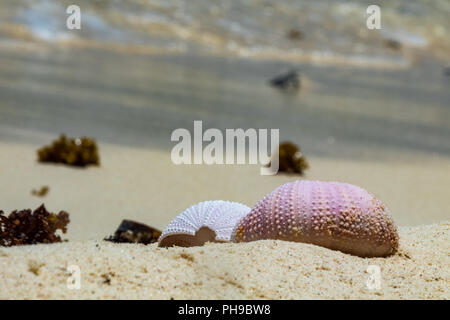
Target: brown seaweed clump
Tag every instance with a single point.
(393, 44)
(75, 152)
(288, 81)
(294, 34)
(291, 159)
(134, 232)
(42, 192)
(27, 227)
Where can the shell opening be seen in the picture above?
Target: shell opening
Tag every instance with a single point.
(203, 235)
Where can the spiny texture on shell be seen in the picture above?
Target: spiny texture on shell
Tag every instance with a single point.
(206, 221)
(335, 215)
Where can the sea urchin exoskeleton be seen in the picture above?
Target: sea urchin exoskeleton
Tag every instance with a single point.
(211, 221)
(335, 215)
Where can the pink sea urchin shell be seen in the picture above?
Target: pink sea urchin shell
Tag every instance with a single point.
(211, 221)
(335, 215)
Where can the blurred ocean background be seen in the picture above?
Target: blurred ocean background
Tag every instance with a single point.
(139, 69)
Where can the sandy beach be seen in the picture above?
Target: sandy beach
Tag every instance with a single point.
(146, 186)
(135, 184)
(257, 270)
(369, 107)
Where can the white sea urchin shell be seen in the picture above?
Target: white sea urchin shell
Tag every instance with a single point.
(205, 221)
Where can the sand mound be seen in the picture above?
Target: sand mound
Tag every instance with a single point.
(262, 269)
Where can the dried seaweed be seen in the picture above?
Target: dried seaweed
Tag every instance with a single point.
(295, 34)
(27, 227)
(75, 152)
(134, 232)
(288, 81)
(392, 44)
(42, 192)
(291, 159)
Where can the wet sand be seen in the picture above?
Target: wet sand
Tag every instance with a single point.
(136, 100)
